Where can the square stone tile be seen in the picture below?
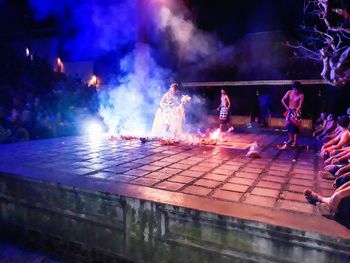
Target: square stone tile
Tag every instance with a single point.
(227, 195)
(121, 178)
(260, 201)
(266, 192)
(161, 163)
(302, 182)
(137, 172)
(171, 160)
(145, 181)
(252, 170)
(192, 173)
(181, 179)
(180, 166)
(197, 190)
(200, 168)
(117, 169)
(271, 185)
(80, 171)
(296, 188)
(257, 165)
(229, 167)
(302, 176)
(215, 177)
(223, 171)
(158, 175)
(247, 175)
(298, 197)
(170, 170)
(207, 164)
(189, 161)
(239, 180)
(235, 187)
(297, 206)
(216, 161)
(272, 178)
(171, 186)
(130, 165)
(279, 168)
(149, 167)
(207, 183)
(303, 171)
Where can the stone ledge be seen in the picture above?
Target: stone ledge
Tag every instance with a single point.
(153, 218)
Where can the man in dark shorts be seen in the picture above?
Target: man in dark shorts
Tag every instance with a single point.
(293, 102)
(224, 108)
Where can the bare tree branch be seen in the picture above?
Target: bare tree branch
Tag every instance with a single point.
(328, 42)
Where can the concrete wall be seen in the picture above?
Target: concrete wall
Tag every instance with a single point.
(86, 226)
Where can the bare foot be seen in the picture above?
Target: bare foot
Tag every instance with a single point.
(312, 197)
(326, 175)
(323, 209)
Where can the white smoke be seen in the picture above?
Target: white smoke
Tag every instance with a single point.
(192, 44)
(128, 105)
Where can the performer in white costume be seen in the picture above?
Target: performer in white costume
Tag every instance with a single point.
(170, 116)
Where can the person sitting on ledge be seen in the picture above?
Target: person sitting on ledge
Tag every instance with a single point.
(343, 139)
(320, 124)
(336, 206)
(330, 131)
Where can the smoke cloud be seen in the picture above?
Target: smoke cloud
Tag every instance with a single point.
(128, 104)
(90, 28)
(192, 44)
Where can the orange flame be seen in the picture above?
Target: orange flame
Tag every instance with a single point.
(94, 81)
(59, 65)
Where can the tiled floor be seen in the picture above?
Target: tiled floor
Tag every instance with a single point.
(277, 180)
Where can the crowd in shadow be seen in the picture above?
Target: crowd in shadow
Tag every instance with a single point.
(37, 102)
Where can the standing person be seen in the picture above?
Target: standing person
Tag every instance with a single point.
(293, 102)
(224, 108)
(169, 116)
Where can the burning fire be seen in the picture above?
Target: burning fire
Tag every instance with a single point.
(215, 135)
(210, 138)
(94, 81)
(59, 65)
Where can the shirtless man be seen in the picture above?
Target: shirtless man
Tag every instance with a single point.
(224, 109)
(293, 102)
(340, 141)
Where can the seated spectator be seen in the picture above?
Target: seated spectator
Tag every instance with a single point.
(341, 140)
(330, 127)
(320, 124)
(336, 206)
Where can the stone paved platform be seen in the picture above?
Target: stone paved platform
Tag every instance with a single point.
(214, 179)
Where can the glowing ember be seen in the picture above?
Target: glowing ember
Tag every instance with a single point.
(59, 65)
(215, 135)
(94, 81)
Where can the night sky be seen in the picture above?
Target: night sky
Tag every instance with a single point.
(232, 19)
(229, 19)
